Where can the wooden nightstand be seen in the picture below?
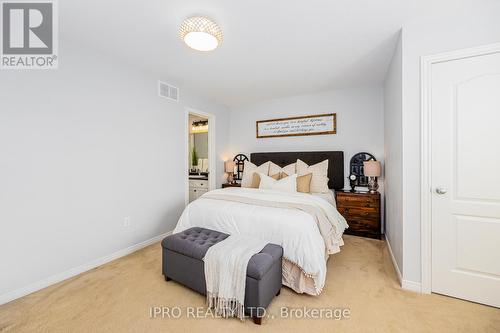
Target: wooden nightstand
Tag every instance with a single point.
(362, 212)
(231, 185)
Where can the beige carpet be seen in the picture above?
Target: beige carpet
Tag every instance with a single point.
(117, 298)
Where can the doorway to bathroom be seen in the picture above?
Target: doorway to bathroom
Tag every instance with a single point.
(200, 154)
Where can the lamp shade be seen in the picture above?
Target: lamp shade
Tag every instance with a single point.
(229, 166)
(372, 168)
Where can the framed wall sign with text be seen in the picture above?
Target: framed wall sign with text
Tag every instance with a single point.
(294, 126)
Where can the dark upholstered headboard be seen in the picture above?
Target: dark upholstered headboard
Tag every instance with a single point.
(335, 162)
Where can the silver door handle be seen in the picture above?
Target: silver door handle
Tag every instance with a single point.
(441, 190)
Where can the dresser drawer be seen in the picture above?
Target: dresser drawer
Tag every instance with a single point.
(196, 192)
(366, 212)
(366, 228)
(202, 184)
(357, 201)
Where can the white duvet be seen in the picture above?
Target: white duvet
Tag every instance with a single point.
(295, 230)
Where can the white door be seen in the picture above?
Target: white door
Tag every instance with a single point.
(465, 178)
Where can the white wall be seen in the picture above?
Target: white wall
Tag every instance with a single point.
(393, 181)
(360, 124)
(82, 147)
(465, 25)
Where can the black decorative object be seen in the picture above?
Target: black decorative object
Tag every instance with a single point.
(352, 182)
(356, 168)
(240, 164)
(200, 123)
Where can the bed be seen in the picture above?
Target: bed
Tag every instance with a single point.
(307, 226)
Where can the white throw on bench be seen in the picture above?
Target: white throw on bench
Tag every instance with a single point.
(226, 271)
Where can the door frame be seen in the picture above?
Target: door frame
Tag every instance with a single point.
(212, 166)
(426, 63)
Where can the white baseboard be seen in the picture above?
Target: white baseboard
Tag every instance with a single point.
(394, 262)
(405, 284)
(10, 296)
(412, 286)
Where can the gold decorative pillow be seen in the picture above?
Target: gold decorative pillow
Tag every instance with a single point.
(256, 179)
(303, 182)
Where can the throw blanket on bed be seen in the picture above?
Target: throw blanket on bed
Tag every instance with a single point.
(226, 272)
(307, 227)
(326, 228)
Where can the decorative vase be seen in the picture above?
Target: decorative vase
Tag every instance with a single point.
(372, 184)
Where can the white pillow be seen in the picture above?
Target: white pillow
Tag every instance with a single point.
(275, 168)
(248, 170)
(319, 180)
(288, 184)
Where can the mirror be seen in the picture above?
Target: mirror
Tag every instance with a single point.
(198, 144)
(356, 169)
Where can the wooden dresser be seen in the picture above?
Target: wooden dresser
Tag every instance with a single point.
(362, 212)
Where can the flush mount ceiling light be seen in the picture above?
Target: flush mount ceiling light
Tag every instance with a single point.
(201, 33)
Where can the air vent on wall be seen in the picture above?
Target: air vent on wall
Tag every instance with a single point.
(168, 91)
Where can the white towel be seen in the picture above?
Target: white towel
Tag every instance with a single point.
(205, 165)
(226, 272)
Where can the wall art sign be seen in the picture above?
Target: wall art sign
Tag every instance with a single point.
(294, 126)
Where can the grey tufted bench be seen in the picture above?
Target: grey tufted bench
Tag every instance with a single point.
(183, 262)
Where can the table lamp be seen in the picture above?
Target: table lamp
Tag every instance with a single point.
(229, 168)
(372, 170)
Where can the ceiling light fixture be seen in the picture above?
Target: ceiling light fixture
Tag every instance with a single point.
(201, 33)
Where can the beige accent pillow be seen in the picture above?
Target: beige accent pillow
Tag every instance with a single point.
(256, 179)
(303, 182)
(249, 169)
(275, 168)
(319, 180)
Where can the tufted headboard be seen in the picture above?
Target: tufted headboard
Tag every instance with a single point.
(335, 162)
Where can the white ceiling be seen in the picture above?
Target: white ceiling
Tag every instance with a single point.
(271, 48)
